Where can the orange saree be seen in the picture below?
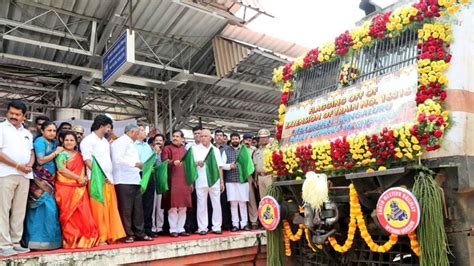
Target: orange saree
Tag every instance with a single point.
(107, 217)
(75, 215)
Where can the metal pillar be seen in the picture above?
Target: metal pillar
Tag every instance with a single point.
(155, 106)
(170, 113)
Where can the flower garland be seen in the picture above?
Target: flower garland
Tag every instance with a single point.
(347, 74)
(352, 224)
(415, 246)
(390, 145)
(288, 235)
(357, 221)
(357, 215)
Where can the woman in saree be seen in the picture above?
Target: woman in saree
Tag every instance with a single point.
(42, 230)
(77, 222)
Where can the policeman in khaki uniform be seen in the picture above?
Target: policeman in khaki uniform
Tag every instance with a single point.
(264, 179)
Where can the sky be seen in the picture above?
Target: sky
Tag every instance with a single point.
(309, 23)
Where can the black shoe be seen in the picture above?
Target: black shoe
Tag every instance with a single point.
(184, 234)
(154, 235)
(254, 227)
(160, 233)
(217, 232)
(174, 234)
(234, 229)
(129, 239)
(246, 228)
(145, 238)
(203, 233)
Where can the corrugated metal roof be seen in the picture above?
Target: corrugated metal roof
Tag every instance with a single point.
(159, 17)
(287, 49)
(171, 29)
(227, 55)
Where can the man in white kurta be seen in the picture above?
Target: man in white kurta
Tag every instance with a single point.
(237, 193)
(203, 190)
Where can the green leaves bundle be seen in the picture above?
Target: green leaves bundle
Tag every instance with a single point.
(431, 233)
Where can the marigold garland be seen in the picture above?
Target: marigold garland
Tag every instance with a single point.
(431, 119)
(415, 246)
(352, 224)
(356, 215)
(356, 221)
(288, 235)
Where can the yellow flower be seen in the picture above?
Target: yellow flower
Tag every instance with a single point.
(382, 168)
(453, 9)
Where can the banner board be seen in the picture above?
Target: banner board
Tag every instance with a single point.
(368, 106)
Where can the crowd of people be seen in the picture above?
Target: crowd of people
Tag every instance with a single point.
(46, 199)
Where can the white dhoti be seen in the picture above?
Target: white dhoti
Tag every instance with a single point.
(237, 191)
(238, 196)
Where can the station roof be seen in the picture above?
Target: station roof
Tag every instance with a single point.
(48, 45)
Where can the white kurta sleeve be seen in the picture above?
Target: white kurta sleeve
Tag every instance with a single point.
(120, 156)
(225, 166)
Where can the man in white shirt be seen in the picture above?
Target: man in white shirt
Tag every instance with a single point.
(106, 215)
(203, 190)
(197, 130)
(16, 161)
(127, 165)
(96, 144)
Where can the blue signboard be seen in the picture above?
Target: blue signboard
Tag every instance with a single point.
(118, 58)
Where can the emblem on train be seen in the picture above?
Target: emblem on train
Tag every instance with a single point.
(398, 211)
(269, 213)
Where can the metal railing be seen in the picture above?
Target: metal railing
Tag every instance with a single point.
(383, 57)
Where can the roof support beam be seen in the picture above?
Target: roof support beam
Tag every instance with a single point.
(59, 10)
(73, 69)
(4, 21)
(109, 27)
(258, 122)
(238, 111)
(46, 44)
(217, 96)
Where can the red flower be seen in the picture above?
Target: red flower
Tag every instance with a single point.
(343, 42)
(378, 27)
(438, 133)
(284, 98)
(440, 121)
(432, 117)
(421, 117)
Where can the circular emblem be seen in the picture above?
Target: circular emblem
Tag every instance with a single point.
(398, 211)
(269, 213)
